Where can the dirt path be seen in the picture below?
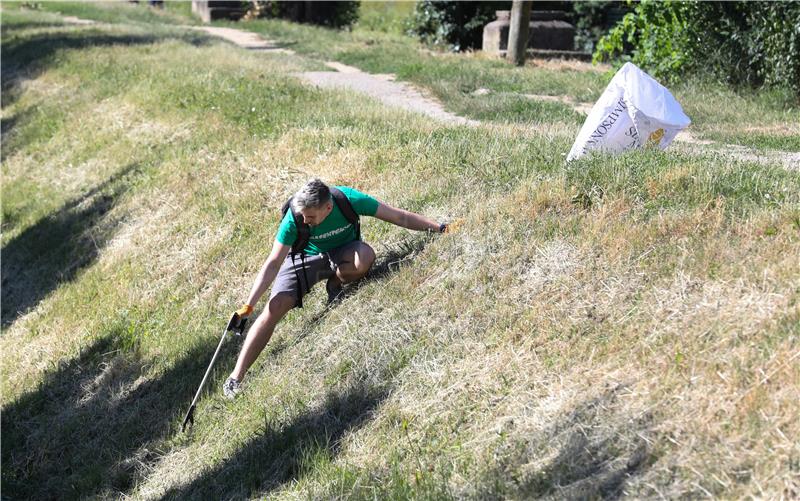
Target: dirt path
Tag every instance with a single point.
(77, 20)
(384, 89)
(381, 87)
(790, 160)
(245, 39)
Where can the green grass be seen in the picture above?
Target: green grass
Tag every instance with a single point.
(175, 12)
(764, 119)
(668, 181)
(717, 113)
(451, 78)
(386, 17)
(615, 326)
(760, 120)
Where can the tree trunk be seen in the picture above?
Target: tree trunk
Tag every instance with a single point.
(518, 31)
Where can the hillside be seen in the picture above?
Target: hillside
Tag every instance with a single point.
(616, 327)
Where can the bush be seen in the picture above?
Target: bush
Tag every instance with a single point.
(593, 19)
(740, 43)
(456, 25)
(459, 25)
(337, 14)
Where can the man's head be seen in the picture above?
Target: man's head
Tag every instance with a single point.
(313, 202)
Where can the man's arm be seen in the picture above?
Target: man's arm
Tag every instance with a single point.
(405, 218)
(268, 272)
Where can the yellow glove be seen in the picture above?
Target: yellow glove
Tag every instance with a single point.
(245, 311)
(453, 227)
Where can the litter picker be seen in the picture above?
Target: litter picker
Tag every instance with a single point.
(236, 325)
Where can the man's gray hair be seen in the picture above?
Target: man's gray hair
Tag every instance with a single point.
(314, 194)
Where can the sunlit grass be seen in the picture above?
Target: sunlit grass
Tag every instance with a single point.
(616, 326)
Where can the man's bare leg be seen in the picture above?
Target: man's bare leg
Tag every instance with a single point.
(355, 264)
(261, 331)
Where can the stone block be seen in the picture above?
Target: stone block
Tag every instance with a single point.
(220, 9)
(548, 31)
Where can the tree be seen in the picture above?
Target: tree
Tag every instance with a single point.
(518, 31)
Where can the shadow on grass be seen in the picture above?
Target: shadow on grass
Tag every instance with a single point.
(7, 124)
(25, 127)
(87, 430)
(588, 469)
(272, 47)
(27, 57)
(393, 257)
(390, 259)
(599, 448)
(286, 453)
(9, 28)
(58, 246)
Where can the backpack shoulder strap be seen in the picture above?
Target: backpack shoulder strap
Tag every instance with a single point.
(303, 230)
(346, 207)
(303, 235)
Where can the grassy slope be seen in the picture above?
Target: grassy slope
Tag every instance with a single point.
(619, 325)
(179, 13)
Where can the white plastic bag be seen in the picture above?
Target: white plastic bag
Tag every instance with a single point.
(634, 110)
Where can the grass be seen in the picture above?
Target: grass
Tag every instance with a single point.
(762, 120)
(386, 17)
(178, 12)
(618, 326)
(451, 78)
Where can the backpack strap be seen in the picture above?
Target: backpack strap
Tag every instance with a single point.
(303, 230)
(298, 247)
(297, 275)
(346, 207)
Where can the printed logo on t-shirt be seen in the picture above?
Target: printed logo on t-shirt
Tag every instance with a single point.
(331, 233)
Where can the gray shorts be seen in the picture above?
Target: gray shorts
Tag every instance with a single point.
(317, 268)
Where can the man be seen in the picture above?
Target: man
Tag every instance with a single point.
(334, 252)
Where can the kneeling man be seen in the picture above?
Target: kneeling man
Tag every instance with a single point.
(318, 239)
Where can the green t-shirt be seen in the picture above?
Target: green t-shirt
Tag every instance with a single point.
(334, 231)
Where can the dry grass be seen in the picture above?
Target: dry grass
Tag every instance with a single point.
(626, 327)
(570, 64)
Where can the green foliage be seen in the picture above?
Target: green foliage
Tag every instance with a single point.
(592, 19)
(459, 25)
(386, 17)
(336, 14)
(740, 43)
(654, 35)
(456, 25)
(776, 31)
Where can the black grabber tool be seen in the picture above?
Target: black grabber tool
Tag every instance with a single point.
(236, 325)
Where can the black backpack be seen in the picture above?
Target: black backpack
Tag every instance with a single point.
(304, 233)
